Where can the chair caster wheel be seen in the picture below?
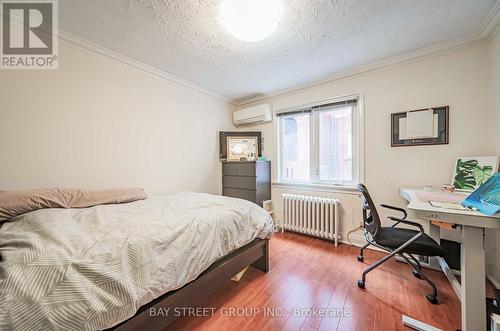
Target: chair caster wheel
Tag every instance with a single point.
(360, 258)
(416, 274)
(432, 299)
(361, 284)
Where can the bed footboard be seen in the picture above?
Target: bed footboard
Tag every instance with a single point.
(263, 262)
(194, 293)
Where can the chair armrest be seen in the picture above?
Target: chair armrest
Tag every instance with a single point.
(401, 210)
(398, 220)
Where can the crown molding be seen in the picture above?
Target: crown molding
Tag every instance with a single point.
(491, 23)
(386, 64)
(495, 33)
(486, 31)
(90, 46)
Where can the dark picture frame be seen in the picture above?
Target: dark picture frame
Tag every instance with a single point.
(443, 129)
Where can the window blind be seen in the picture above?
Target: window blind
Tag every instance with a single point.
(335, 105)
(320, 107)
(295, 112)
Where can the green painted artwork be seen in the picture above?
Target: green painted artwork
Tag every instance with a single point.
(470, 173)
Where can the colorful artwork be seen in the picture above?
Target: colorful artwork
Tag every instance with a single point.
(241, 148)
(472, 172)
(486, 198)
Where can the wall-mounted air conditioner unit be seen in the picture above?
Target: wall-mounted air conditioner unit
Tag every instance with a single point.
(253, 115)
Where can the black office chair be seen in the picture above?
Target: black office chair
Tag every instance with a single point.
(396, 241)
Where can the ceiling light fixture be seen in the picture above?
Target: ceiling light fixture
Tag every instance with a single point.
(250, 20)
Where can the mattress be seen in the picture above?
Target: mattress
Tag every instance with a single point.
(92, 268)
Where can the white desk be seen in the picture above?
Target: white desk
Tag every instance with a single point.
(471, 290)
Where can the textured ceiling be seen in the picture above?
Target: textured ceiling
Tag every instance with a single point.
(315, 39)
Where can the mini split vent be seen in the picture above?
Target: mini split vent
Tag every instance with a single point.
(253, 115)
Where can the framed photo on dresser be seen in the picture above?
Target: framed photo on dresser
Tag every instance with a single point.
(241, 148)
(239, 140)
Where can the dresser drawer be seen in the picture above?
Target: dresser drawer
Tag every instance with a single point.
(242, 182)
(238, 169)
(240, 194)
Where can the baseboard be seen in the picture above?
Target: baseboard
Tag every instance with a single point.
(358, 240)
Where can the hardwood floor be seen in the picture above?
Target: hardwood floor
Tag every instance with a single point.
(308, 273)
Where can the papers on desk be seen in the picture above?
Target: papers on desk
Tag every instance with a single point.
(448, 205)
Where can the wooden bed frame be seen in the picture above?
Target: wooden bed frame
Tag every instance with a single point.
(194, 293)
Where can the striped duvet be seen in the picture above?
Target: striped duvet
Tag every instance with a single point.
(89, 269)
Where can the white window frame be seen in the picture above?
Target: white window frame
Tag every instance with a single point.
(357, 146)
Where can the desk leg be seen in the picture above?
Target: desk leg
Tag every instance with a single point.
(434, 233)
(473, 279)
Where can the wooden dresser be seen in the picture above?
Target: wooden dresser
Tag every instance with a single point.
(248, 180)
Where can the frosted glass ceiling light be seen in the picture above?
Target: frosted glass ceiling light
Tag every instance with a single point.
(250, 20)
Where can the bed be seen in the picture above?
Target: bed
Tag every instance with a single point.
(105, 266)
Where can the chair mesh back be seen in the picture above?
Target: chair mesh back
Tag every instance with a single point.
(370, 215)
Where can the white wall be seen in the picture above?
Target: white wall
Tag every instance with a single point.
(495, 91)
(98, 123)
(458, 79)
(493, 236)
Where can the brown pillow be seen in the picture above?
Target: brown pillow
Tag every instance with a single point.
(14, 203)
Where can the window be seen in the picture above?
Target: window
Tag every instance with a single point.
(296, 152)
(319, 144)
